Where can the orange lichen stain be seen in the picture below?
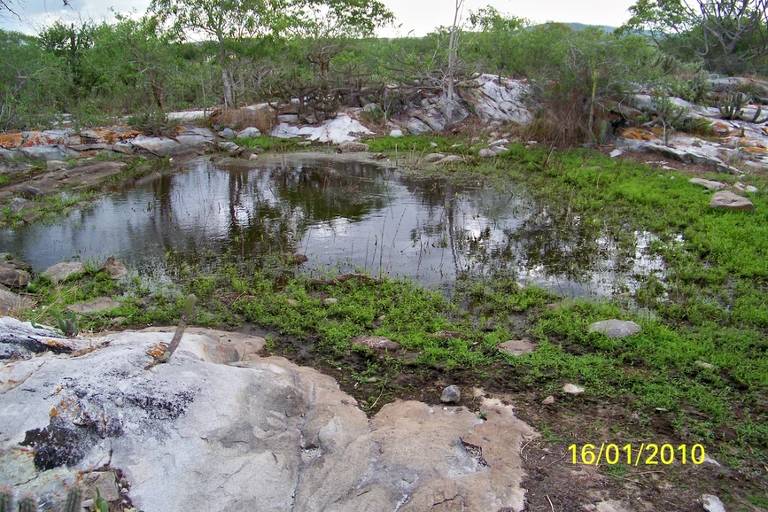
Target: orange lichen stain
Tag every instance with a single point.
(765, 130)
(721, 129)
(638, 134)
(54, 412)
(755, 150)
(10, 140)
(157, 351)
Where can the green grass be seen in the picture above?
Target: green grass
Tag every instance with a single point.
(4, 179)
(266, 144)
(423, 144)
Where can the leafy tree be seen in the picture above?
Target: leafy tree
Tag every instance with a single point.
(493, 44)
(731, 36)
(232, 22)
(69, 42)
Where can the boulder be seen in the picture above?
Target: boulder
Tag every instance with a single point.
(219, 428)
(63, 271)
(250, 132)
(433, 157)
(451, 395)
(729, 201)
(376, 342)
(12, 276)
(114, 268)
(487, 153)
(160, 146)
(708, 184)
(517, 347)
(615, 328)
(11, 302)
(227, 133)
(353, 147)
(94, 306)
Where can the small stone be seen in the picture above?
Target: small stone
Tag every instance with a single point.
(115, 268)
(730, 201)
(396, 133)
(616, 153)
(17, 204)
(712, 503)
(105, 483)
(517, 347)
(486, 153)
(29, 192)
(376, 342)
(451, 395)
(549, 400)
(95, 306)
(573, 389)
(708, 184)
(499, 142)
(298, 259)
(433, 144)
(13, 277)
(292, 302)
(434, 157)
(63, 271)
(353, 147)
(254, 156)
(746, 188)
(330, 301)
(615, 328)
(704, 365)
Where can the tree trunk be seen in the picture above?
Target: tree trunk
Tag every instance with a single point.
(453, 51)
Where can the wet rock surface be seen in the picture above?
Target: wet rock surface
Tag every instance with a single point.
(242, 432)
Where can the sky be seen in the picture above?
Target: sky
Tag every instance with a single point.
(416, 17)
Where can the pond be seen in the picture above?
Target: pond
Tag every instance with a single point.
(345, 215)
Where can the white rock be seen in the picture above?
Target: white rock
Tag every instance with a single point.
(396, 133)
(708, 184)
(220, 428)
(250, 132)
(573, 389)
(451, 395)
(486, 153)
(517, 347)
(616, 153)
(615, 328)
(712, 503)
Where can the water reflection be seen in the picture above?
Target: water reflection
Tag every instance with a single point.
(344, 216)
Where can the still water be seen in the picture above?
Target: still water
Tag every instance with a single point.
(344, 215)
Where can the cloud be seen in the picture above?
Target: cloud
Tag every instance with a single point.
(414, 16)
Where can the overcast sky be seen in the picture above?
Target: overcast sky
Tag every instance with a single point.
(419, 16)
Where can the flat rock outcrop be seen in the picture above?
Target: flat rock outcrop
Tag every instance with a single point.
(221, 428)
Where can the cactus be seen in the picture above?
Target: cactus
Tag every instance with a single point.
(6, 500)
(28, 504)
(74, 501)
(732, 107)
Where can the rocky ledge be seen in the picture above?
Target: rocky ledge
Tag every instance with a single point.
(220, 427)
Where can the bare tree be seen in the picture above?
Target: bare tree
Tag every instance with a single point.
(453, 58)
